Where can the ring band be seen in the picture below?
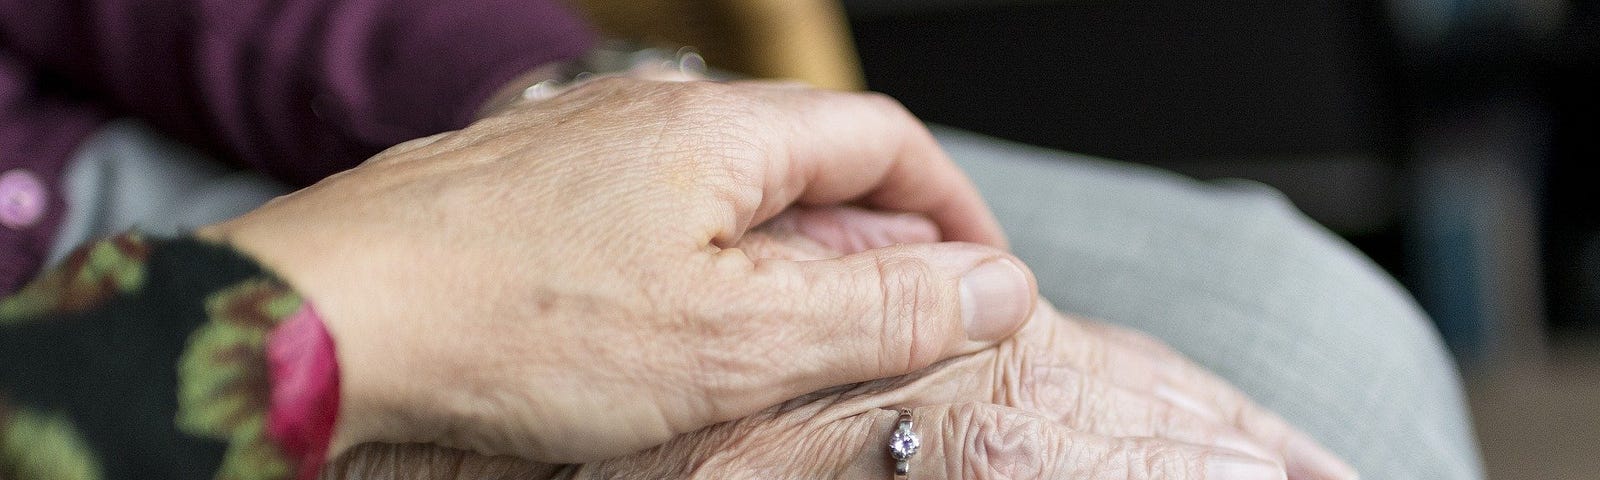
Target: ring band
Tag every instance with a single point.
(903, 444)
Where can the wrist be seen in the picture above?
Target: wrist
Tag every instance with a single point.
(307, 356)
(379, 396)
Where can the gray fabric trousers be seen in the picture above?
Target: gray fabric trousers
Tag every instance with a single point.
(1228, 273)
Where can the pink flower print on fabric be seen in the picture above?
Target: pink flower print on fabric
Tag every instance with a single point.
(305, 389)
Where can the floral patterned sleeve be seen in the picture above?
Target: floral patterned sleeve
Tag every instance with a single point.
(163, 358)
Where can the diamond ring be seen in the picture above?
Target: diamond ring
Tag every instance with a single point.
(903, 444)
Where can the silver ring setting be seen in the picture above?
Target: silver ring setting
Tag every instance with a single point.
(903, 444)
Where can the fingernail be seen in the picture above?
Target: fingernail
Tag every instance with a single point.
(1228, 467)
(1182, 400)
(1309, 460)
(995, 297)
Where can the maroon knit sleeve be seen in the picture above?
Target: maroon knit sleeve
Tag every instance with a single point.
(39, 133)
(297, 88)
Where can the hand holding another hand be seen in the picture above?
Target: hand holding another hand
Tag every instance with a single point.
(1064, 398)
(561, 281)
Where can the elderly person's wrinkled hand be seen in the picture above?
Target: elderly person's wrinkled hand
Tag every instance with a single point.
(558, 281)
(1064, 398)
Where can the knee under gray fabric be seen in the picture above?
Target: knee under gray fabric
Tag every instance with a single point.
(1232, 275)
(1228, 273)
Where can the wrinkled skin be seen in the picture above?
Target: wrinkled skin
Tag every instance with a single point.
(1064, 398)
(559, 281)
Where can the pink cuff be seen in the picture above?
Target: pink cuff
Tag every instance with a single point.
(305, 389)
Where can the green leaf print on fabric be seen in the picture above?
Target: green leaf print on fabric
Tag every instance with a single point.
(91, 275)
(223, 383)
(38, 446)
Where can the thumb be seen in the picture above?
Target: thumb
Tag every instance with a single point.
(887, 311)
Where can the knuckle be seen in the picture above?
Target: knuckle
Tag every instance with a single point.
(911, 313)
(996, 444)
(1033, 381)
(1144, 459)
(727, 175)
(716, 144)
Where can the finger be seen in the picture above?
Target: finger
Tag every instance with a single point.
(841, 147)
(847, 230)
(975, 440)
(773, 244)
(1093, 404)
(1148, 365)
(1030, 372)
(875, 314)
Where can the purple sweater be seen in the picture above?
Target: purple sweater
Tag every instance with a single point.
(298, 89)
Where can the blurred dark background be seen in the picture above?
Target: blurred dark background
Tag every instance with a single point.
(1449, 139)
(1446, 138)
